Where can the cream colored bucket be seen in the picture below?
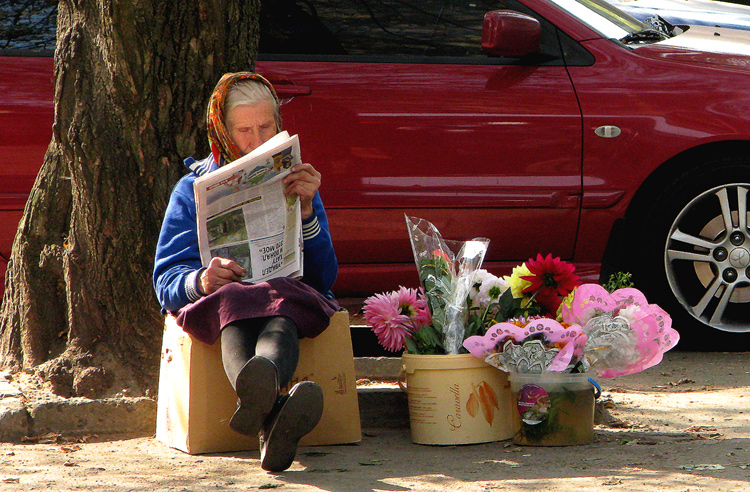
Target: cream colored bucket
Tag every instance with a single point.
(456, 399)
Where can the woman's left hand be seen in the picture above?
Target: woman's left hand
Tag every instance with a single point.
(303, 181)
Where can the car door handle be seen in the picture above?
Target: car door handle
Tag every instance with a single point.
(285, 91)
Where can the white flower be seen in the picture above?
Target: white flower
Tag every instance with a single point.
(487, 289)
(479, 277)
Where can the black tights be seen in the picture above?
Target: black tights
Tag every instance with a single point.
(274, 338)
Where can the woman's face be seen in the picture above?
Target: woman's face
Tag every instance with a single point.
(250, 126)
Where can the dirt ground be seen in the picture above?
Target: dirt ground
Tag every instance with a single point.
(681, 426)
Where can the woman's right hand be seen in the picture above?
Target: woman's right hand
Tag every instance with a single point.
(220, 272)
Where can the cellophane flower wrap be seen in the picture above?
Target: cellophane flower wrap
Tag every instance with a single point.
(446, 272)
(433, 319)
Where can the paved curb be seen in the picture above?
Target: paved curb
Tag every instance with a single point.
(382, 405)
(20, 419)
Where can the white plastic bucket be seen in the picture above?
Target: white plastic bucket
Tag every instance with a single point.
(456, 399)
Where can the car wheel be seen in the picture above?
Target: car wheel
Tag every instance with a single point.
(697, 255)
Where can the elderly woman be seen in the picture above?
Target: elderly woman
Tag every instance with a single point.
(257, 325)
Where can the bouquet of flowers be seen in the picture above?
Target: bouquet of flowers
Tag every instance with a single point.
(593, 330)
(431, 320)
(458, 300)
(540, 318)
(580, 330)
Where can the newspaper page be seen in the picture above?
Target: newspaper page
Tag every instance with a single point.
(243, 214)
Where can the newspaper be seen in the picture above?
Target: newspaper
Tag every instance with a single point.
(243, 214)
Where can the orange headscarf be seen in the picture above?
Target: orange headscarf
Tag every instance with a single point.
(221, 143)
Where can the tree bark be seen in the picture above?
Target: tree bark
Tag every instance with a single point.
(132, 81)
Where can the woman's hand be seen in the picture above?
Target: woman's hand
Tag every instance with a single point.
(220, 271)
(304, 182)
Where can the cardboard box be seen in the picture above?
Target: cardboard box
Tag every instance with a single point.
(196, 399)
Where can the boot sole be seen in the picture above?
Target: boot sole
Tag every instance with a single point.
(257, 390)
(298, 416)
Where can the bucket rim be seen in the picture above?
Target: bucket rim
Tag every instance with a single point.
(442, 361)
(549, 377)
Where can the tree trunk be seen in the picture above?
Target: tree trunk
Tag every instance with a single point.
(132, 81)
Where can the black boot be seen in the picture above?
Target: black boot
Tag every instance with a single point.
(257, 388)
(293, 416)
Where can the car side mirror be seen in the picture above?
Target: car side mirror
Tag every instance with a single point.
(510, 34)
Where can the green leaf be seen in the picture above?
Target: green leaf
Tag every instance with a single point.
(618, 280)
(411, 346)
(430, 336)
(507, 306)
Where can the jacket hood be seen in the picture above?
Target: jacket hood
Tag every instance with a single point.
(203, 166)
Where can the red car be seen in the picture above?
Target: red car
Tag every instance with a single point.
(548, 126)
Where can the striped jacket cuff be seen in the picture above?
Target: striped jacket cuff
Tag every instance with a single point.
(311, 229)
(192, 287)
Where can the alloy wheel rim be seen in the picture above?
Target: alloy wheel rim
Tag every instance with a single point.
(707, 258)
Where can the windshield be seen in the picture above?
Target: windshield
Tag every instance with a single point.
(603, 17)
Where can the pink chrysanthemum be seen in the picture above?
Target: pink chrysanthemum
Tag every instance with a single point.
(396, 315)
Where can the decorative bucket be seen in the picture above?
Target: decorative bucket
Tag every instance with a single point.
(456, 399)
(553, 409)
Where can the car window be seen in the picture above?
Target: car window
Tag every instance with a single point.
(414, 31)
(604, 17)
(28, 26)
(385, 30)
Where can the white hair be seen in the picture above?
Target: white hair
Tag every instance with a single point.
(250, 93)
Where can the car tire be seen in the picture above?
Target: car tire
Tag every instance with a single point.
(694, 265)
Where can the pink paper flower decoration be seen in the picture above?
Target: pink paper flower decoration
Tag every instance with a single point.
(563, 346)
(626, 334)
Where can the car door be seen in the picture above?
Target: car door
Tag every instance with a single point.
(403, 114)
(27, 38)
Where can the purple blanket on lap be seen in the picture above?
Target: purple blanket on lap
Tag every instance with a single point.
(310, 310)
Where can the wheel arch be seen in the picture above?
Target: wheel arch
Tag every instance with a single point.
(614, 259)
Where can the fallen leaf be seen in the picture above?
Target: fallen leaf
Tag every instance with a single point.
(681, 381)
(700, 428)
(701, 467)
(49, 438)
(316, 453)
(374, 462)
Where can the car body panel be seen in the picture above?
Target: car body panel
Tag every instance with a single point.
(26, 111)
(627, 92)
(400, 137)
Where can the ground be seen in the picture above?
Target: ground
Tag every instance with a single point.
(681, 426)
